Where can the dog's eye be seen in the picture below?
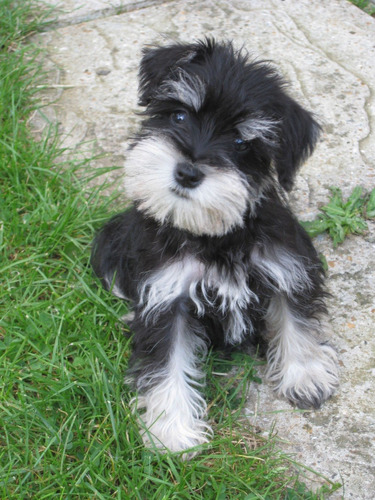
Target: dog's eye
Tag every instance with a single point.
(179, 117)
(240, 144)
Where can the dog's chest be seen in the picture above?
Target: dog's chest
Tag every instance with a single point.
(224, 291)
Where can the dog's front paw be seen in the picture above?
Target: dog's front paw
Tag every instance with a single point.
(307, 382)
(176, 429)
(168, 432)
(177, 439)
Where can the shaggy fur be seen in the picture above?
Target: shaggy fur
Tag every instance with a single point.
(210, 253)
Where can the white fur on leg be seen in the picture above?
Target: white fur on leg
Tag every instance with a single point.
(173, 407)
(301, 369)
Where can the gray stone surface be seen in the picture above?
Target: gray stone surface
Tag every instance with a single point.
(69, 12)
(327, 50)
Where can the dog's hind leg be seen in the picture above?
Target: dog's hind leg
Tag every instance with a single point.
(165, 372)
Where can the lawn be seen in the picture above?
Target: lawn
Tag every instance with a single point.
(66, 429)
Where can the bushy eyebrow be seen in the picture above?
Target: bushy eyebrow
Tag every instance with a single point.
(187, 89)
(259, 127)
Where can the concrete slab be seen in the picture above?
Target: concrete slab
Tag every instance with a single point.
(68, 12)
(327, 51)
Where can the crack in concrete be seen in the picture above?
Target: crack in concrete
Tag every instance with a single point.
(367, 100)
(103, 13)
(109, 45)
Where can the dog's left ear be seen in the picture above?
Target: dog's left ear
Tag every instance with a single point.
(157, 63)
(299, 133)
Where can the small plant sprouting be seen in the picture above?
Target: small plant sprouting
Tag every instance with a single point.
(340, 218)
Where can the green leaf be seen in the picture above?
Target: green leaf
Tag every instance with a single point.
(354, 201)
(333, 210)
(315, 227)
(370, 207)
(324, 262)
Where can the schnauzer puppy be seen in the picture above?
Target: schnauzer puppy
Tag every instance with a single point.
(210, 253)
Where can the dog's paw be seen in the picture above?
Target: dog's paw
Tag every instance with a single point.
(166, 435)
(175, 429)
(307, 383)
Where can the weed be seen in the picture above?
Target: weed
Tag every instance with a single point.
(340, 218)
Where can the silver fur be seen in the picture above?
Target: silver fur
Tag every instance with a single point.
(259, 128)
(173, 410)
(299, 367)
(187, 89)
(182, 277)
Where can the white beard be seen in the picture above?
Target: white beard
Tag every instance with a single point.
(213, 208)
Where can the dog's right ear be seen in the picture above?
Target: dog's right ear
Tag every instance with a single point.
(159, 62)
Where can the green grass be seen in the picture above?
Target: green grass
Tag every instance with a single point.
(364, 5)
(66, 429)
(340, 217)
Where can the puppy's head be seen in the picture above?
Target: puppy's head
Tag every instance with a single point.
(218, 126)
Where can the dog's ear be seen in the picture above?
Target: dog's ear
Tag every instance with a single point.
(157, 63)
(298, 134)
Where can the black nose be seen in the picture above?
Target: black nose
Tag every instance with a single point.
(187, 175)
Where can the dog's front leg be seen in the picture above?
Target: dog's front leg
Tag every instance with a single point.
(302, 368)
(165, 372)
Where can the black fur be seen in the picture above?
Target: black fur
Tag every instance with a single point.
(131, 246)
(246, 88)
(228, 89)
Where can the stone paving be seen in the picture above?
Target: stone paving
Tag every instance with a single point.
(327, 50)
